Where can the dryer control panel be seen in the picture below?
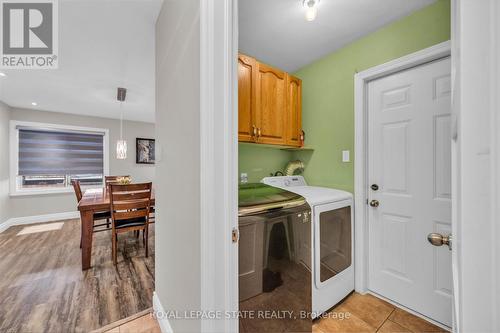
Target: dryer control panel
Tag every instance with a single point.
(285, 181)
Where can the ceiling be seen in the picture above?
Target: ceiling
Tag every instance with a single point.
(276, 32)
(103, 44)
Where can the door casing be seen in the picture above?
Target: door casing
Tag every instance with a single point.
(361, 80)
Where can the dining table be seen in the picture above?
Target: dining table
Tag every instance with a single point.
(94, 200)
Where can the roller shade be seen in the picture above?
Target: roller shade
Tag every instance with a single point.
(49, 152)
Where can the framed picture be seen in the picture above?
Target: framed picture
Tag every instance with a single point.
(145, 151)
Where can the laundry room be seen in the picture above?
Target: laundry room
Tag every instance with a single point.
(320, 83)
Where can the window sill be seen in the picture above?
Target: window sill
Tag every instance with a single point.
(46, 191)
(42, 191)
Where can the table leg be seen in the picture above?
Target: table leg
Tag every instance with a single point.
(87, 218)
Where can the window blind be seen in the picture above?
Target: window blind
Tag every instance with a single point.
(50, 152)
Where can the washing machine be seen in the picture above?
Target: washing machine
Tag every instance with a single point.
(332, 240)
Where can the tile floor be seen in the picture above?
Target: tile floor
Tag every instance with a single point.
(358, 313)
(366, 313)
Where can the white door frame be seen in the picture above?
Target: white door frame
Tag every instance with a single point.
(219, 161)
(476, 58)
(361, 81)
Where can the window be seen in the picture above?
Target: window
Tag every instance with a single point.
(46, 158)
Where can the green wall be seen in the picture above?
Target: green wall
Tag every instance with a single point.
(328, 89)
(328, 96)
(259, 161)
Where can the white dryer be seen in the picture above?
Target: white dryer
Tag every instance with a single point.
(332, 239)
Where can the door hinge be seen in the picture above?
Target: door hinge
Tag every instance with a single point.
(235, 235)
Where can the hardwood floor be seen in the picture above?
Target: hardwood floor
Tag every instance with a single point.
(43, 288)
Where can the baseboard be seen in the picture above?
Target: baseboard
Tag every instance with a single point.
(121, 322)
(38, 219)
(4, 226)
(160, 315)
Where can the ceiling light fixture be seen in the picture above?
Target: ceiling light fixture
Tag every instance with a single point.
(311, 7)
(34, 103)
(121, 145)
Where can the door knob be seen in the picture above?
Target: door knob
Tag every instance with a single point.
(374, 203)
(439, 240)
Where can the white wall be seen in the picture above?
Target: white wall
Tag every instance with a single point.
(4, 162)
(178, 126)
(66, 202)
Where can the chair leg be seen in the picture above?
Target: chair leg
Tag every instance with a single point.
(114, 241)
(80, 241)
(146, 232)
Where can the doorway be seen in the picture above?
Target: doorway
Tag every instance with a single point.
(409, 173)
(403, 183)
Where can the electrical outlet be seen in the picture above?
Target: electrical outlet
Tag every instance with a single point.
(243, 178)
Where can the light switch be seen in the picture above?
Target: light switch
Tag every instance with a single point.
(346, 156)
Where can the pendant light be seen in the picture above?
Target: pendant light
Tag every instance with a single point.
(121, 145)
(311, 7)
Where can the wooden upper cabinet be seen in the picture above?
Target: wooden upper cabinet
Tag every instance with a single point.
(271, 105)
(247, 74)
(294, 110)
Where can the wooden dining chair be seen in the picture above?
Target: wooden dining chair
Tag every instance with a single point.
(130, 209)
(108, 180)
(152, 219)
(97, 216)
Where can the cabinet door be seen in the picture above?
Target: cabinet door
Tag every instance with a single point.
(247, 75)
(271, 105)
(294, 110)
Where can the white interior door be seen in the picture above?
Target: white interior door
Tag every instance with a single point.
(409, 158)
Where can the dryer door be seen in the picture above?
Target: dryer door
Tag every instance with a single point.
(333, 241)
